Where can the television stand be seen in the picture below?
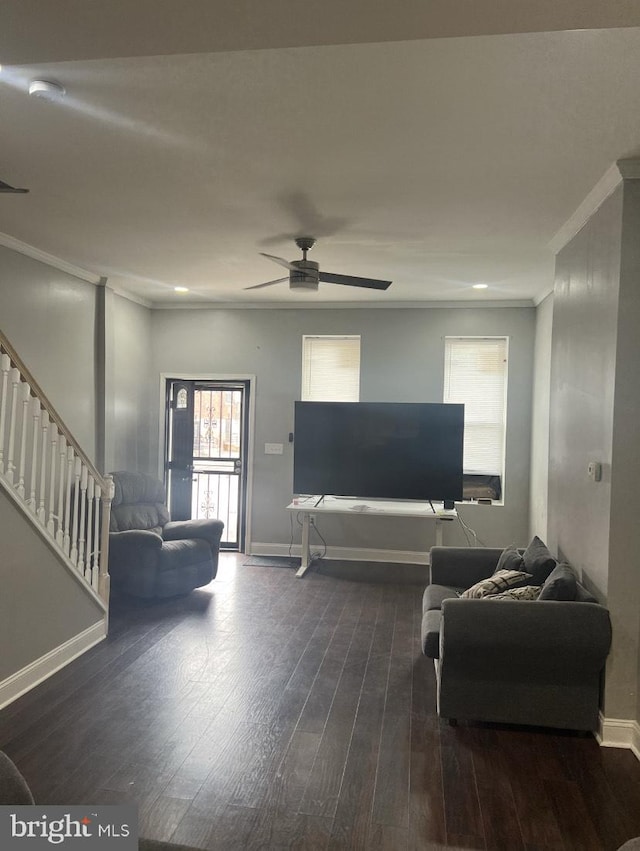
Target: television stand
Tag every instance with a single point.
(313, 506)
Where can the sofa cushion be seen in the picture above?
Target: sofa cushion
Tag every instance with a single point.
(142, 515)
(435, 594)
(510, 559)
(496, 584)
(136, 487)
(538, 561)
(561, 584)
(584, 596)
(527, 592)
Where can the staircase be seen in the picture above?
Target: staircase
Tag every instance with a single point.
(51, 480)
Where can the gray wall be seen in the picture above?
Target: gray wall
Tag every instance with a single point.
(401, 360)
(131, 407)
(50, 319)
(585, 321)
(595, 407)
(41, 605)
(623, 678)
(540, 420)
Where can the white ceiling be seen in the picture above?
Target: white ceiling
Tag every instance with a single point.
(436, 163)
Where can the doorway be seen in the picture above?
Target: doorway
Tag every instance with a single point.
(207, 433)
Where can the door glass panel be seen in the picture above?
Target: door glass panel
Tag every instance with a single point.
(216, 457)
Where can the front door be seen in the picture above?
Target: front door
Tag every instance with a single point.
(205, 453)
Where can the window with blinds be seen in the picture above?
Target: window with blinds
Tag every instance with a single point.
(475, 373)
(330, 368)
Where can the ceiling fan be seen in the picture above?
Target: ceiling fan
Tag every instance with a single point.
(4, 187)
(305, 274)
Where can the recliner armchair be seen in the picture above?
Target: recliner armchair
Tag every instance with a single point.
(149, 554)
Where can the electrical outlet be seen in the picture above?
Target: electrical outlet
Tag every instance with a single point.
(312, 520)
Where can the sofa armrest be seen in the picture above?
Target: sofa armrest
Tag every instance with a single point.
(207, 530)
(531, 639)
(141, 538)
(462, 567)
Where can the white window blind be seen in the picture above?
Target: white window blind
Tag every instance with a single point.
(475, 373)
(330, 368)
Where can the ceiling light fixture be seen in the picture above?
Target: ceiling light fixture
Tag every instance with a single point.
(181, 289)
(46, 89)
(480, 286)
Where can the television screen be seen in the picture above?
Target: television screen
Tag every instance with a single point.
(384, 450)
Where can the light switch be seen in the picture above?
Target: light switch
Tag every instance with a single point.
(594, 471)
(273, 448)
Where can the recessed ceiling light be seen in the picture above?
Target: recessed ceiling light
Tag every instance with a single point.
(480, 286)
(46, 89)
(181, 289)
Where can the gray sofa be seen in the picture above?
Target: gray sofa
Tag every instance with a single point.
(150, 555)
(536, 662)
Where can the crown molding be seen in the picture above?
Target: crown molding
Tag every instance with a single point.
(629, 168)
(136, 299)
(605, 187)
(623, 169)
(347, 305)
(48, 259)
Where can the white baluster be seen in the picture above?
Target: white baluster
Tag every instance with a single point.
(34, 454)
(75, 507)
(11, 467)
(51, 528)
(66, 540)
(83, 513)
(104, 578)
(5, 368)
(90, 557)
(43, 467)
(26, 395)
(95, 573)
(63, 462)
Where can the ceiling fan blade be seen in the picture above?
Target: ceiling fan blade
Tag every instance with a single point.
(280, 260)
(350, 281)
(266, 284)
(4, 187)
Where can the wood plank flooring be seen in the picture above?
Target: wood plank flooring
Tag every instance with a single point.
(269, 712)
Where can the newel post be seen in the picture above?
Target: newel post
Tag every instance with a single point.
(103, 575)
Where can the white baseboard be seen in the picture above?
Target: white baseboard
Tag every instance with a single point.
(619, 733)
(41, 669)
(343, 553)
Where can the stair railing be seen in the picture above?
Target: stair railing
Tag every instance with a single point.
(46, 473)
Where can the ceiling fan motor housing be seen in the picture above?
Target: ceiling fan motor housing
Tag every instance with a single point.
(305, 276)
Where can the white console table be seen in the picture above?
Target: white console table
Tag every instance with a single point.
(307, 507)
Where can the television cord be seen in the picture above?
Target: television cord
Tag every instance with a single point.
(467, 531)
(312, 556)
(322, 553)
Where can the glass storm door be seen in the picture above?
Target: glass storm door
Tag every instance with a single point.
(205, 457)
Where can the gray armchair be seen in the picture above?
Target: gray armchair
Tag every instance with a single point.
(15, 792)
(149, 554)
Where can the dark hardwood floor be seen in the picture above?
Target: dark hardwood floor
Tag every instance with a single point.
(266, 711)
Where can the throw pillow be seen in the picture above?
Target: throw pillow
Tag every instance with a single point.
(538, 561)
(501, 581)
(510, 559)
(561, 584)
(527, 592)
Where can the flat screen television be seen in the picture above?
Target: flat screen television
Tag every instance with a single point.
(379, 450)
